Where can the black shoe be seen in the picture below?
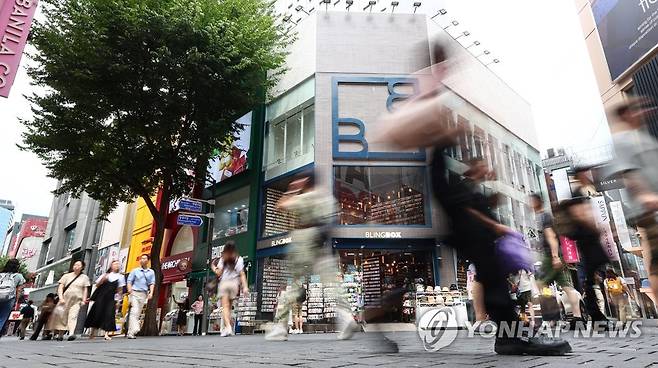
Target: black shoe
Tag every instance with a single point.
(577, 323)
(531, 346)
(22, 338)
(71, 338)
(59, 338)
(385, 346)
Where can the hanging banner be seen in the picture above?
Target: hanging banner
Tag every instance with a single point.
(569, 250)
(603, 221)
(561, 182)
(15, 21)
(618, 217)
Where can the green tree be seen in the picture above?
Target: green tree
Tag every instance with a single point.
(140, 92)
(22, 268)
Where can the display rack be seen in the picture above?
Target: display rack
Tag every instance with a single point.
(275, 277)
(247, 308)
(372, 283)
(277, 221)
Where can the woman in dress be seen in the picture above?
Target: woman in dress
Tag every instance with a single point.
(230, 269)
(72, 292)
(181, 317)
(103, 311)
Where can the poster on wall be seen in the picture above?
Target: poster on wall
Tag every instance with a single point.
(226, 164)
(105, 258)
(628, 31)
(569, 250)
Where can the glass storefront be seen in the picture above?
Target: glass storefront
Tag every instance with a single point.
(231, 213)
(382, 195)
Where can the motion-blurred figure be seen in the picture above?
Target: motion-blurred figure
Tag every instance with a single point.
(315, 211)
(636, 162)
(618, 292)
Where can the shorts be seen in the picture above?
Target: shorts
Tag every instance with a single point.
(560, 277)
(650, 226)
(296, 310)
(524, 298)
(230, 288)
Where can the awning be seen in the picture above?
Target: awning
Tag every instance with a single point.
(174, 268)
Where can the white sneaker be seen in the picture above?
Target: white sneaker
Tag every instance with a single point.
(277, 333)
(226, 332)
(347, 326)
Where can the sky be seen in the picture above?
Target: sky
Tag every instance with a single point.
(539, 43)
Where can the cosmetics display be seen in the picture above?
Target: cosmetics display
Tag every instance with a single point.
(275, 277)
(277, 221)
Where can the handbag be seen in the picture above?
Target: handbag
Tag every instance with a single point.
(512, 254)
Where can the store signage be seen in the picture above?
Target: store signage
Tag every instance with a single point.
(281, 241)
(187, 220)
(618, 217)
(392, 84)
(569, 250)
(175, 267)
(604, 184)
(383, 234)
(187, 204)
(603, 221)
(628, 31)
(15, 21)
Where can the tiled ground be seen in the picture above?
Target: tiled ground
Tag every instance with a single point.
(318, 350)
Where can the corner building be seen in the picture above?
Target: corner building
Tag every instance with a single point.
(344, 70)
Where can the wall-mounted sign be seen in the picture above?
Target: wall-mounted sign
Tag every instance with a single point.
(189, 220)
(602, 217)
(274, 242)
(281, 241)
(15, 21)
(187, 204)
(173, 270)
(354, 146)
(383, 234)
(628, 30)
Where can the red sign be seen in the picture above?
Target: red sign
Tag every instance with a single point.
(569, 250)
(31, 227)
(174, 268)
(15, 21)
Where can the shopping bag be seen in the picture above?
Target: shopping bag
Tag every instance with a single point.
(512, 254)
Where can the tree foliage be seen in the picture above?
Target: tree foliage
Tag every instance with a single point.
(22, 268)
(140, 92)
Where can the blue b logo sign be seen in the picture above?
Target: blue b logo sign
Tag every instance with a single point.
(393, 85)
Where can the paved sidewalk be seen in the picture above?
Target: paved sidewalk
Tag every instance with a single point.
(317, 350)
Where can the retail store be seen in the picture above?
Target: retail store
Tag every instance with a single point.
(322, 119)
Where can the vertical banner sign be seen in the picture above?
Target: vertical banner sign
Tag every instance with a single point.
(618, 217)
(603, 221)
(569, 250)
(15, 21)
(561, 181)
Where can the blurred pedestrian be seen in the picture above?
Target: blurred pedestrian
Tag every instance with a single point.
(553, 267)
(197, 308)
(230, 269)
(181, 316)
(314, 211)
(10, 281)
(636, 154)
(72, 292)
(102, 314)
(27, 313)
(522, 284)
(140, 284)
(618, 292)
(45, 311)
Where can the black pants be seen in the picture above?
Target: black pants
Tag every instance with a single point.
(473, 241)
(198, 318)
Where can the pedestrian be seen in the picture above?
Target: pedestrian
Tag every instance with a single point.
(102, 314)
(181, 316)
(314, 212)
(45, 311)
(636, 155)
(197, 308)
(577, 223)
(72, 292)
(296, 311)
(141, 282)
(27, 313)
(522, 286)
(10, 285)
(617, 292)
(230, 269)
(553, 268)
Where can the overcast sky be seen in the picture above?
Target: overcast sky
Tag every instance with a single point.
(539, 43)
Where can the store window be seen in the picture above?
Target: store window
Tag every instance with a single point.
(381, 195)
(69, 238)
(277, 220)
(289, 141)
(231, 213)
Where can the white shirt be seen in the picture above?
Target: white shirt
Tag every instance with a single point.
(229, 273)
(112, 277)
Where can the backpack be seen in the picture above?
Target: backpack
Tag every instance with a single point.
(614, 286)
(7, 287)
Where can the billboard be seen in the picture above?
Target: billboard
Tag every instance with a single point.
(628, 31)
(226, 164)
(15, 21)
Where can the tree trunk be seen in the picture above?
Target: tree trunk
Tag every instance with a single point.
(151, 322)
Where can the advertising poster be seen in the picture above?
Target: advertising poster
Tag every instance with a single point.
(561, 182)
(618, 217)
(569, 250)
(628, 30)
(226, 164)
(603, 221)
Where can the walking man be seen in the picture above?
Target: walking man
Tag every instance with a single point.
(140, 285)
(28, 315)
